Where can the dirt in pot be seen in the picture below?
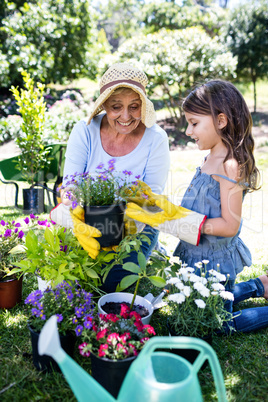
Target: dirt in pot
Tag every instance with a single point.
(115, 308)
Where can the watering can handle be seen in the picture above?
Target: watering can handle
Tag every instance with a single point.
(184, 342)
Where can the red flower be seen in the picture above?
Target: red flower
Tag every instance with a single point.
(134, 351)
(145, 339)
(135, 314)
(122, 348)
(149, 329)
(112, 336)
(112, 317)
(139, 325)
(101, 334)
(124, 311)
(102, 350)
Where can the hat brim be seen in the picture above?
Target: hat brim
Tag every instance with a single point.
(148, 115)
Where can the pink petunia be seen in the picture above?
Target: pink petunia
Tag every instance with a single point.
(101, 334)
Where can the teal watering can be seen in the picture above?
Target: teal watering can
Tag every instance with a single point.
(155, 376)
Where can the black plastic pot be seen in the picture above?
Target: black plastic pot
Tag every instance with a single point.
(110, 373)
(189, 354)
(109, 219)
(46, 363)
(33, 200)
(10, 293)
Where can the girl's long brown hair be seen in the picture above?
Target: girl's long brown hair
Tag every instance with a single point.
(218, 96)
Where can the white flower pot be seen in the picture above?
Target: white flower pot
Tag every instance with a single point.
(121, 297)
(42, 283)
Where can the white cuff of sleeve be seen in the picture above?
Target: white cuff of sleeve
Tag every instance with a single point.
(187, 229)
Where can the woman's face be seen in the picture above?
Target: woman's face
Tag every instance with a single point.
(123, 111)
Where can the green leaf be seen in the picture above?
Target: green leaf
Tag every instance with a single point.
(93, 274)
(157, 281)
(49, 237)
(128, 281)
(130, 266)
(142, 261)
(31, 242)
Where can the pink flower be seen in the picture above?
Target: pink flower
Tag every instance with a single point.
(135, 314)
(112, 336)
(102, 350)
(122, 348)
(124, 311)
(139, 325)
(149, 329)
(145, 339)
(134, 351)
(101, 334)
(81, 349)
(112, 317)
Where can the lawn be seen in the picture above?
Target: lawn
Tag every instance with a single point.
(243, 357)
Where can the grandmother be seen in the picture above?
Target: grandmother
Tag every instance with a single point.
(121, 126)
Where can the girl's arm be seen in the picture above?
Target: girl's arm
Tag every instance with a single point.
(231, 209)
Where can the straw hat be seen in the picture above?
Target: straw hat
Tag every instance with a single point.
(124, 75)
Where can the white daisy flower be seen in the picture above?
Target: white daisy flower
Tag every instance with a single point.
(174, 260)
(200, 303)
(227, 295)
(198, 286)
(214, 293)
(178, 298)
(179, 285)
(194, 278)
(187, 291)
(205, 262)
(217, 286)
(198, 264)
(172, 281)
(204, 292)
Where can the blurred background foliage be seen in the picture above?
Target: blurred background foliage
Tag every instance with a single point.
(178, 44)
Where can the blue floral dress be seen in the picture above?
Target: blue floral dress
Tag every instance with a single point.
(203, 196)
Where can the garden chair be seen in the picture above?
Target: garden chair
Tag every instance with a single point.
(52, 174)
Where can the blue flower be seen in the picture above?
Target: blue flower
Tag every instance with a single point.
(78, 330)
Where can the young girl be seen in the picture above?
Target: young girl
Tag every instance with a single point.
(219, 120)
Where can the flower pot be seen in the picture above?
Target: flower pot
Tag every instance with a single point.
(110, 373)
(33, 200)
(121, 297)
(10, 292)
(47, 363)
(109, 219)
(42, 283)
(189, 354)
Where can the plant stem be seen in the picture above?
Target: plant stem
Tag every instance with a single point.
(135, 293)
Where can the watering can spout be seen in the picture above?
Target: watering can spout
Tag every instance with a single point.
(82, 384)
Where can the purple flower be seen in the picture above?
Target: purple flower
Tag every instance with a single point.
(87, 324)
(18, 225)
(8, 233)
(78, 330)
(138, 177)
(59, 317)
(74, 204)
(3, 223)
(21, 234)
(74, 320)
(27, 220)
(16, 230)
(32, 216)
(127, 172)
(78, 311)
(100, 166)
(70, 296)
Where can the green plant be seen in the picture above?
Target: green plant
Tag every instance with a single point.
(115, 337)
(100, 188)
(32, 109)
(139, 272)
(72, 305)
(56, 255)
(196, 303)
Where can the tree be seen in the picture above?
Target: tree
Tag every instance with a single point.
(174, 61)
(156, 16)
(247, 37)
(50, 39)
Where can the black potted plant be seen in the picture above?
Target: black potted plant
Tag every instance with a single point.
(102, 194)
(33, 157)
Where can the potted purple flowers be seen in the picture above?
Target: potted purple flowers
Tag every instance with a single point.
(74, 309)
(12, 235)
(103, 194)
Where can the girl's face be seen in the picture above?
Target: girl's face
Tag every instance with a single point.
(123, 112)
(201, 129)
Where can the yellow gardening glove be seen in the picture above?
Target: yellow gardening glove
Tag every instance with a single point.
(141, 194)
(169, 218)
(84, 233)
